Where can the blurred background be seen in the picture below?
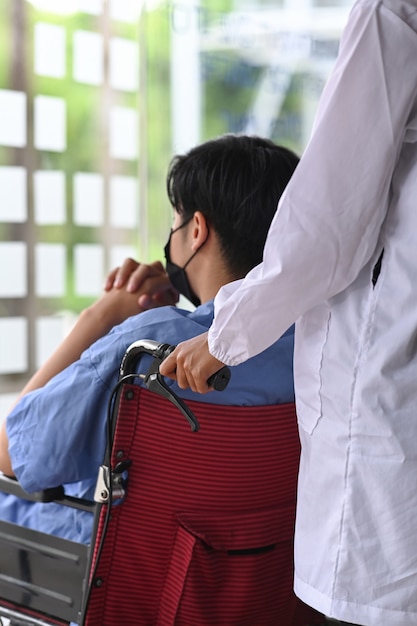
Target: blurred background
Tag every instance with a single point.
(95, 98)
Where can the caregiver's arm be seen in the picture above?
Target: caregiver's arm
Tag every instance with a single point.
(110, 309)
(328, 221)
(191, 364)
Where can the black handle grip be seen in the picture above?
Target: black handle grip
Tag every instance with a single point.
(220, 379)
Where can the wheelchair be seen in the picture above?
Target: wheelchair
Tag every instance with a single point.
(194, 515)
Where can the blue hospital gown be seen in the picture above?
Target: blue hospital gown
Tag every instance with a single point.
(57, 433)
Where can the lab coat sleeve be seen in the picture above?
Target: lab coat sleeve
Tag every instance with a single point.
(328, 220)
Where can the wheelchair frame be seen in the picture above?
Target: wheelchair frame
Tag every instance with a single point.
(46, 580)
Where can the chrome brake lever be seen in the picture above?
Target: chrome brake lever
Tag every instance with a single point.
(154, 381)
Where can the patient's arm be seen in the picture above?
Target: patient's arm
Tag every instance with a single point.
(125, 289)
(112, 308)
(151, 283)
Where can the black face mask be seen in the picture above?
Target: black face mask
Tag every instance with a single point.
(177, 275)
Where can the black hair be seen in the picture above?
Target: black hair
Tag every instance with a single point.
(236, 182)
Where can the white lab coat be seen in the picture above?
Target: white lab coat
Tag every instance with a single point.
(353, 195)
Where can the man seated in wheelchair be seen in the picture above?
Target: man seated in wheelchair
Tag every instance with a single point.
(224, 194)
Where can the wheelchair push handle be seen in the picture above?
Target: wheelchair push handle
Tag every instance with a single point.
(219, 380)
(154, 380)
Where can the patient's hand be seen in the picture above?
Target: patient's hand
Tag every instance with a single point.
(150, 283)
(112, 308)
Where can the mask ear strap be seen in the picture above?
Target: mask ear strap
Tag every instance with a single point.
(174, 230)
(167, 249)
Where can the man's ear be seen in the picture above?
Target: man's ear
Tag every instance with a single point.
(200, 230)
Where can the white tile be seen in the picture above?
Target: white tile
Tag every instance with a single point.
(13, 342)
(88, 199)
(94, 7)
(49, 45)
(88, 57)
(50, 123)
(13, 194)
(49, 197)
(89, 269)
(50, 268)
(125, 10)
(123, 133)
(12, 118)
(7, 401)
(50, 331)
(124, 64)
(124, 207)
(60, 7)
(13, 278)
(119, 253)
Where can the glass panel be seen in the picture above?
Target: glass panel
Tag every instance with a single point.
(50, 331)
(88, 58)
(50, 270)
(119, 253)
(13, 281)
(50, 50)
(123, 133)
(124, 64)
(88, 199)
(123, 202)
(7, 401)
(89, 266)
(49, 197)
(50, 123)
(125, 10)
(13, 194)
(13, 118)
(94, 7)
(13, 341)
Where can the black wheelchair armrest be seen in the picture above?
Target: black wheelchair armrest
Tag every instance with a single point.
(11, 485)
(54, 494)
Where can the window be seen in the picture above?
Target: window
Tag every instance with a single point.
(95, 98)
